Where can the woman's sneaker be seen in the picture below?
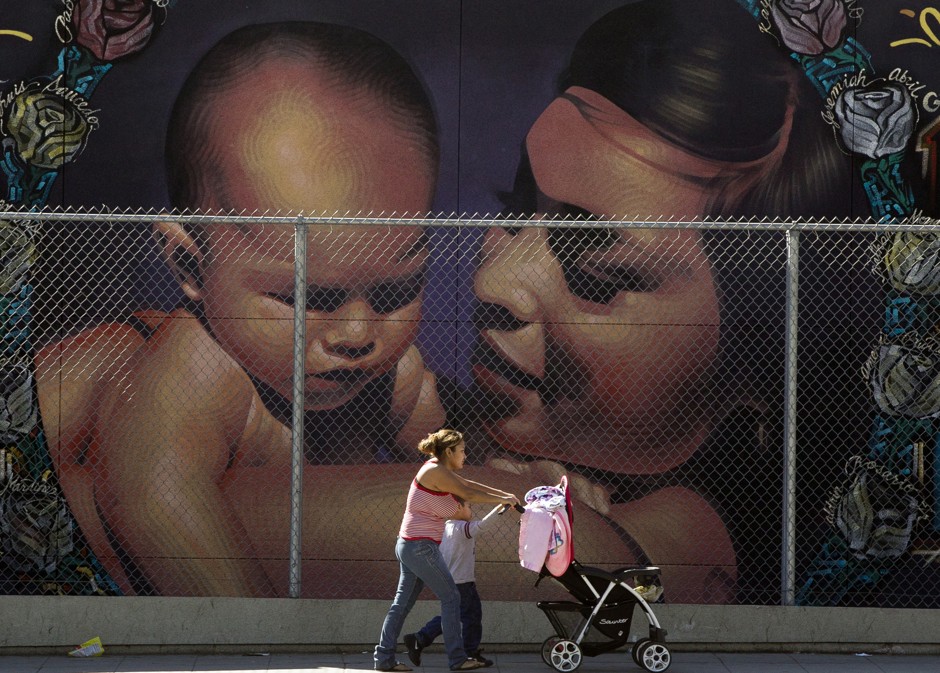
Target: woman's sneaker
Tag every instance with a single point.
(477, 656)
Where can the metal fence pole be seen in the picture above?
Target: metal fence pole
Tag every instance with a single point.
(788, 549)
(297, 406)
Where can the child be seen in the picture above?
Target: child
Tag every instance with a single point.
(458, 549)
(162, 429)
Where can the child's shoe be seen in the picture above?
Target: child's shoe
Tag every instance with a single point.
(414, 648)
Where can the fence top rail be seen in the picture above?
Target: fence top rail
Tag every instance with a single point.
(915, 223)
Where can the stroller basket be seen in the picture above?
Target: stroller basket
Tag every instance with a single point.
(608, 630)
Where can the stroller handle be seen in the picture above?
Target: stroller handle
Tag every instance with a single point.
(500, 509)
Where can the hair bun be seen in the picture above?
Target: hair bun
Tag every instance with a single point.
(437, 442)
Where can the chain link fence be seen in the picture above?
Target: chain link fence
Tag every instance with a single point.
(748, 405)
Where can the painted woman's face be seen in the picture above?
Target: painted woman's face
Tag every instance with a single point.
(597, 344)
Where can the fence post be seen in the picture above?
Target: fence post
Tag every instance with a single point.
(297, 404)
(788, 547)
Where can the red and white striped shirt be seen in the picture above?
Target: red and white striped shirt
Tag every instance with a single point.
(426, 511)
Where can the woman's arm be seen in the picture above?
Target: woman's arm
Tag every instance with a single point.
(439, 478)
(483, 487)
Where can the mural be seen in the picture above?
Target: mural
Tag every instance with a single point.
(147, 370)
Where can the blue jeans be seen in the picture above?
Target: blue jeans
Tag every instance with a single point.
(421, 564)
(471, 619)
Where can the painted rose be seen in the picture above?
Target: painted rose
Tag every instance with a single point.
(875, 514)
(18, 406)
(35, 528)
(48, 130)
(875, 121)
(111, 29)
(17, 254)
(809, 26)
(904, 374)
(911, 261)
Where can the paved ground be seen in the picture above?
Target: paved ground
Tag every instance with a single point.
(619, 662)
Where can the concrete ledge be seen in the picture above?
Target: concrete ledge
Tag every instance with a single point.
(217, 625)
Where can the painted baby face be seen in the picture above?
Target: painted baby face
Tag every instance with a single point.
(295, 142)
(597, 344)
(363, 305)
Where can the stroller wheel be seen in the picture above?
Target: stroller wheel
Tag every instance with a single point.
(547, 648)
(636, 649)
(564, 655)
(653, 656)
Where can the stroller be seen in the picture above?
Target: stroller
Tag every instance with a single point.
(599, 619)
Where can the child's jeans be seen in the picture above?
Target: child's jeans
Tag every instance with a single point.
(421, 564)
(471, 619)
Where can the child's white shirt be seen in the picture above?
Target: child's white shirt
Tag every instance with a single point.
(458, 547)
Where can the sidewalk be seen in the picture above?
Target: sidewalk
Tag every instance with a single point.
(615, 662)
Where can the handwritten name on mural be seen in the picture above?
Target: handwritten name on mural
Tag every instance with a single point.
(766, 25)
(17, 89)
(57, 88)
(854, 11)
(28, 488)
(11, 483)
(63, 22)
(83, 106)
(928, 16)
(929, 99)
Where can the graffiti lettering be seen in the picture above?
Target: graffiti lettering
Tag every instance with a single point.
(900, 316)
(928, 15)
(16, 314)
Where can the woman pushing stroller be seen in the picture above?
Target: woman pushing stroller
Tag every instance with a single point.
(432, 499)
